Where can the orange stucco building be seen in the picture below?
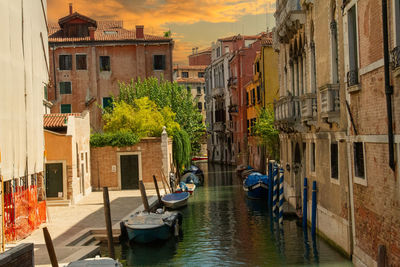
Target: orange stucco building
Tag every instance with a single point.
(89, 58)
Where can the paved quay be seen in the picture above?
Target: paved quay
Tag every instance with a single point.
(66, 223)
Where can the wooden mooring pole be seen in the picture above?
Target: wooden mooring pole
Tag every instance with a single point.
(50, 247)
(144, 196)
(158, 191)
(107, 214)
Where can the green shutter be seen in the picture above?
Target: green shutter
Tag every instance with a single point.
(65, 108)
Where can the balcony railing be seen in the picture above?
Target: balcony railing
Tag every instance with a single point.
(232, 82)
(233, 109)
(287, 110)
(219, 126)
(308, 107)
(396, 57)
(218, 92)
(352, 78)
(330, 102)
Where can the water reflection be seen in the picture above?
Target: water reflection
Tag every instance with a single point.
(223, 228)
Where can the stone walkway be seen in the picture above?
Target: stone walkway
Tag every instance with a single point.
(66, 222)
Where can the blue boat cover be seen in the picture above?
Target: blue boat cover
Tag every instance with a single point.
(176, 196)
(191, 178)
(255, 178)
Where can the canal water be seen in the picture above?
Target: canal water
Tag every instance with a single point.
(221, 227)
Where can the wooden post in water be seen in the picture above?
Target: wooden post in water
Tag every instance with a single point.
(156, 186)
(382, 256)
(50, 247)
(144, 196)
(107, 214)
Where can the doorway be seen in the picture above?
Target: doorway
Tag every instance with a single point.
(129, 171)
(54, 180)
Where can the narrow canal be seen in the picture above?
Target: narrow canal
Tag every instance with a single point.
(221, 227)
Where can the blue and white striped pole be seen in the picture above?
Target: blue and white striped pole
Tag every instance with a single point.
(269, 186)
(281, 177)
(305, 201)
(275, 193)
(313, 209)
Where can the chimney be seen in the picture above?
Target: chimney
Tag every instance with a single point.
(139, 32)
(70, 8)
(91, 33)
(197, 49)
(193, 50)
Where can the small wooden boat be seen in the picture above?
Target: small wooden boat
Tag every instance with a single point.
(256, 185)
(144, 227)
(97, 261)
(196, 171)
(175, 200)
(183, 187)
(200, 159)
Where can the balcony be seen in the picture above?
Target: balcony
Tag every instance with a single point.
(289, 17)
(309, 108)
(287, 114)
(233, 109)
(218, 92)
(232, 82)
(330, 103)
(219, 126)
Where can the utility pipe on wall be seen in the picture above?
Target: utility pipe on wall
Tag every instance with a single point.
(388, 87)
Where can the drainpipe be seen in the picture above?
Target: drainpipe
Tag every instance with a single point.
(388, 87)
(54, 72)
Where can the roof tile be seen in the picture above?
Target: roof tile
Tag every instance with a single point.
(57, 120)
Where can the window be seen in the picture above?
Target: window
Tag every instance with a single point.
(81, 62)
(65, 88)
(200, 74)
(359, 160)
(185, 74)
(247, 98)
(188, 88)
(205, 105)
(312, 160)
(65, 108)
(352, 75)
(105, 63)
(258, 94)
(46, 96)
(253, 96)
(159, 62)
(65, 62)
(334, 161)
(107, 102)
(200, 106)
(198, 90)
(218, 52)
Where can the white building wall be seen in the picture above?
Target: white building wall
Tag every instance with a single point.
(24, 61)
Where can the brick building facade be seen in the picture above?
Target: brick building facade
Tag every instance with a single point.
(333, 118)
(88, 59)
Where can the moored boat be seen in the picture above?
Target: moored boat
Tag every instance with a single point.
(97, 261)
(191, 178)
(175, 200)
(183, 187)
(145, 227)
(256, 185)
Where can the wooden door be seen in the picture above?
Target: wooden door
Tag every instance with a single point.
(54, 179)
(129, 171)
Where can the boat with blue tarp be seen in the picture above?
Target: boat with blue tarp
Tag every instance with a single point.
(256, 185)
(145, 227)
(175, 200)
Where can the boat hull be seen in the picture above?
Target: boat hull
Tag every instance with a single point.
(162, 232)
(175, 205)
(256, 191)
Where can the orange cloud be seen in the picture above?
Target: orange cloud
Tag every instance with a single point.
(156, 14)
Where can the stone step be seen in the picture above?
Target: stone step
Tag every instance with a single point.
(58, 203)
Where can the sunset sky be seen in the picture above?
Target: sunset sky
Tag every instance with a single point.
(193, 23)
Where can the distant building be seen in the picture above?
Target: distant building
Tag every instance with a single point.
(68, 176)
(89, 58)
(200, 58)
(24, 78)
(192, 78)
(230, 69)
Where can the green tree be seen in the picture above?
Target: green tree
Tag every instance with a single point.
(143, 118)
(167, 94)
(265, 128)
